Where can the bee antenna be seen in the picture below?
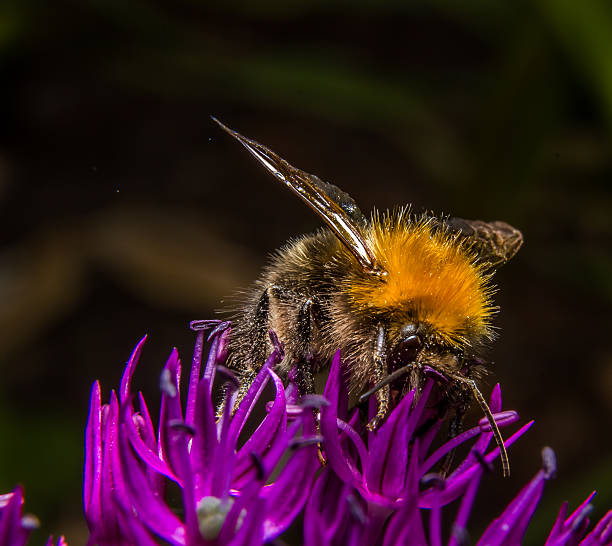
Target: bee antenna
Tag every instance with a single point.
(503, 454)
(389, 379)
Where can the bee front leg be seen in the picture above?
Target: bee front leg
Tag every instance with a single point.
(383, 394)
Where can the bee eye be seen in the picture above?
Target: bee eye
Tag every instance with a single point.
(406, 350)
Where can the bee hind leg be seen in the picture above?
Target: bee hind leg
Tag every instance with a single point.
(305, 375)
(249, 359)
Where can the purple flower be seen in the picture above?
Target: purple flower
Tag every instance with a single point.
(573, 529)
(510, 527)
(384, 469)
(226, 497)
(377, 488)
(15, 527)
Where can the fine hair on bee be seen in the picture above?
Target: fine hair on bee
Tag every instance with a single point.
(401, 295)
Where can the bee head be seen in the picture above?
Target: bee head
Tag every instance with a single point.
(416, 346)
(407, 347)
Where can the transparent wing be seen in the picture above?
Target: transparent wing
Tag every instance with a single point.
(337, 209)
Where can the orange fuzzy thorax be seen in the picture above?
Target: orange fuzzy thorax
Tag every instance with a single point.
(432, 279)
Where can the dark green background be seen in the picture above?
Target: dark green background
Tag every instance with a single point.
(125, 211)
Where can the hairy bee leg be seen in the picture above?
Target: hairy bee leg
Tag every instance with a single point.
(248, 372)
(246, 379)
(260, 325)
(257, 354)
(305, 377)
(383, 394)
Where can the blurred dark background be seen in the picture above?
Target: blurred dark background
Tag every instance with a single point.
(125, 210)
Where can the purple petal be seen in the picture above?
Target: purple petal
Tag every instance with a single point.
(348, 433)
(520, 511)
(180, 442)
(170, 410)
(251, 529)
(126, 379)
(428, 438)
(329, 415)
(389, 452)
(249, 503)
(576, 513)
(194, 376)
(406, 526)
(465, 508)
(211, 365)
(395, 473)
(203, 324)
(12, 531)
(288, 494)
(520, 528)
(448, 447)
(457, 483)
(134, 532)
(602, 533)
(149, 433)
(570, 530)
(148, 436)
(221, 328)
(120, 496)
(510, 526)
(326, 509)
(204, 443)
(148, 507)
(276, 451)
(274, 426)
(149, 456)
(224, 456)
(495, 401)
(252, 395)
(216, 354)
(502, 419)
(61, 541)
(107, 526)
(220, 354)
(354, 536)
(435, 522)
(223, 347)
(93, 459)
(557, 528)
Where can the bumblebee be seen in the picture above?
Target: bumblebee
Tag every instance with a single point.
(399, 294)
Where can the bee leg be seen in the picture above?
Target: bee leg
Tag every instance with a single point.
(454, 428)
(261, 320)
(380, 371)
(246, 378)
(503, 454)
(305, 377)
(251, 362)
